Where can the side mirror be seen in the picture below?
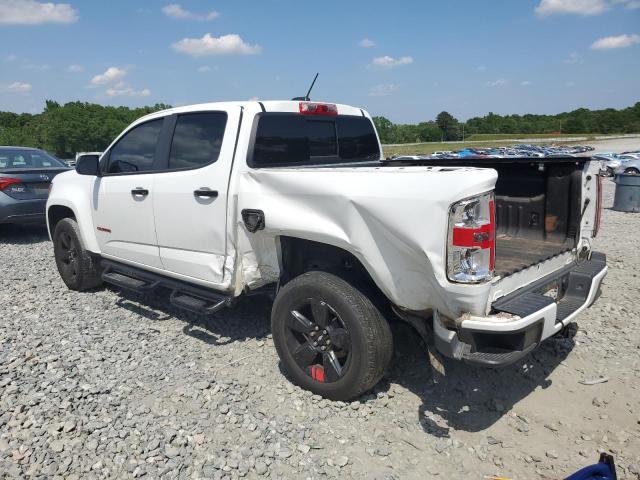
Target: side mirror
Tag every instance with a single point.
(88, 165)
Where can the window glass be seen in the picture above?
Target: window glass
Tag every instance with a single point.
(322, 138)
(197, 139)
(357, 138)
(280, 140)
(136, 150)
(15, 158)
(292, 139)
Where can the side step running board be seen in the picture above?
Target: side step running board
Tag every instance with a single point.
(198, 305)
(183, 295)
(128, 283)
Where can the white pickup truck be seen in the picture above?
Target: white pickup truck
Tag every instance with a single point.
(484, 257)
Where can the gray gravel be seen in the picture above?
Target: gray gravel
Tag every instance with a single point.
(111, 385)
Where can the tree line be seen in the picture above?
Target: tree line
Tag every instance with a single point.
(447, 128)
(79, 127)
(67, 129)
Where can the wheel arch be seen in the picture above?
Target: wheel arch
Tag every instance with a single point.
(298, 255)
(55, 213)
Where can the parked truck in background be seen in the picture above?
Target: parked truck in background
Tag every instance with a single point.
(486, 258)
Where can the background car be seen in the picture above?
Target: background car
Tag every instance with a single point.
(25, 177)
(630, 164)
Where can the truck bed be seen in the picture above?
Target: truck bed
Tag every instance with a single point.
(538, 204)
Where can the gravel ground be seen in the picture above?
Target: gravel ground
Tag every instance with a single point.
(111, 385)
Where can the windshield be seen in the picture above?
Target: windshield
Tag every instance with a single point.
(289, 139)
(27, 159)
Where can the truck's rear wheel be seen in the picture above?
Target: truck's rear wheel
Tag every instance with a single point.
(76, 266)
(330, 338)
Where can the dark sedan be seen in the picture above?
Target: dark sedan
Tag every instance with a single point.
(25, 176)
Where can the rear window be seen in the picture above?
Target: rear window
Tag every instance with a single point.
(27, 159)
(285, 139)
(197, 139)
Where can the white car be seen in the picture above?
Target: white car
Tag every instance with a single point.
(485, 257)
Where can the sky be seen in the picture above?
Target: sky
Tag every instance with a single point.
(406, 60)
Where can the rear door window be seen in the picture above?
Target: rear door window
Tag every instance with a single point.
(197, 139)
(288, 139)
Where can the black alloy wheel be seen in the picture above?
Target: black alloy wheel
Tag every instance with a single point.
(318, 340)
(66, 253)
(78, 269)
(331, 339)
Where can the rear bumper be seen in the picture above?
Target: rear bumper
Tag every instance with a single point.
(21, 211)
(520, 321)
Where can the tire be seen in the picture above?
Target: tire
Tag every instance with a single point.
(77, 268)
(632, 171)
(344, 321)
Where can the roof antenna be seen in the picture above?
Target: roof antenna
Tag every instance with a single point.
(306, 97)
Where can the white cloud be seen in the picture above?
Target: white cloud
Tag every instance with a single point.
(382, 90)
(30, 12)
(175, 10)
(111, 74)
(481, 68)
(230, 44)
(570, 84)
(11, 57)
(526, 83)
(390, 62)
(18, 87)
(575, 7)
(501, 82)
(621, 41)
(75, 68)
(366, 43)
(573, 58)
(204, 69)
(121, 90)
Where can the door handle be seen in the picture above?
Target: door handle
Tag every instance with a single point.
(140, 191)
(205, 192)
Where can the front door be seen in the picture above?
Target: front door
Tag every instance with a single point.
(190, 202)
(123, 197)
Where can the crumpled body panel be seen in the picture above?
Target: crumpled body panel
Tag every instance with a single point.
(393, 219)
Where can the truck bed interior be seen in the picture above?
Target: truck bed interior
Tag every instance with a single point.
(537, 212)
(537, 206)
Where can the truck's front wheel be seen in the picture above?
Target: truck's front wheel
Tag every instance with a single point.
(330, 338)
(77, 268)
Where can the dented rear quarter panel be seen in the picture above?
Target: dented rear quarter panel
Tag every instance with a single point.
(393, 219)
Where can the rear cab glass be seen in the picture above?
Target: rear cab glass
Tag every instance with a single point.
(290, 139)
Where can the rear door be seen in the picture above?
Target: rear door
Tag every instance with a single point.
(190, 202)
(123, 196)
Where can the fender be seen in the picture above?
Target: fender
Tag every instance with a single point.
(72, 190)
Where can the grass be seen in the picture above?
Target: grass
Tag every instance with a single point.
(515, 136)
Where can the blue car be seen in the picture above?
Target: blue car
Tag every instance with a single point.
(25, 176)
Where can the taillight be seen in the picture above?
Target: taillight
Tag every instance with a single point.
(596, 225)
(6, 182)
(471, 250)
(310, 108)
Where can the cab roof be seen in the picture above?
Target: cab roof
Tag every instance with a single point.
(290, 106)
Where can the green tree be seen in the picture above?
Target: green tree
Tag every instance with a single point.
(448, 125)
